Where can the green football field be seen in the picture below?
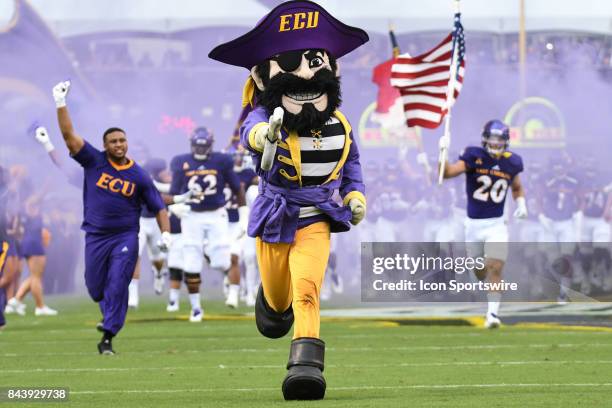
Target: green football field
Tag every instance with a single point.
(163, 360)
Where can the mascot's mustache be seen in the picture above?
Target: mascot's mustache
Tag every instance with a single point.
(324, 81)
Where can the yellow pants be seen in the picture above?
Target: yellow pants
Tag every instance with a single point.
(292, 274)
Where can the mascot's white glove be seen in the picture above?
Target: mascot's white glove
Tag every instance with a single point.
(179, 210)
(521, 208)
(444, 143)
(358, 210)
(270, 138)
(243, 219)
(165, 241)
(60, 91)
(42, 137)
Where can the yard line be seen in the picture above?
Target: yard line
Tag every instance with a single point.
(277, 366)
(339, 349)
(340, 336)
(353, 388)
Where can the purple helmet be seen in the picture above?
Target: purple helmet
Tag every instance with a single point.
(202, 140)
(495, 137)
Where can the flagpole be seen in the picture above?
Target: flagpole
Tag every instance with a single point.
(443, 156)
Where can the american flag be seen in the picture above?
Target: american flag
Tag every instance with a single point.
(423, 81)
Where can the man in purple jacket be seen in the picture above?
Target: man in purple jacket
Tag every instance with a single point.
(304, 150)
(114, 190)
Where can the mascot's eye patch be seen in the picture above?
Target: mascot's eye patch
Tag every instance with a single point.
(289, 61)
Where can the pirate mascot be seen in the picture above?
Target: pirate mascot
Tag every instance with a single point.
(304, 151)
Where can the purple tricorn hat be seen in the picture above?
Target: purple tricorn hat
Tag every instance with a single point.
(291, 26)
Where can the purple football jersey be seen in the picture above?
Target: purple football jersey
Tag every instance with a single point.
(487, 180)
(209, 176)
(113, 195)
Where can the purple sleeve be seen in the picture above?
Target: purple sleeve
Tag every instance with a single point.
(352, 179)
(255, 117)
(150, 196)
(468, 157)
(87, 156)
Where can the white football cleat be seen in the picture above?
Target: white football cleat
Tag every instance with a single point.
(172, 307)
(17, 306)
(158, 283)
(9, 309)
(492, 321)
(232, 299)
(196, 315)
(45, 311)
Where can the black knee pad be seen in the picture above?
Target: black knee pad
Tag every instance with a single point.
(269, 322)
(176, 274)
(304, 380)
(192, 278)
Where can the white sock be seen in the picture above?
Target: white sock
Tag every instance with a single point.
(194, 299)
(250, 275)
(234, 290)
(494, 299)
(174, 295)
(133, 289)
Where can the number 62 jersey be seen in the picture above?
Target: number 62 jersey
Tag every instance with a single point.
(487, 180)
(207, 176)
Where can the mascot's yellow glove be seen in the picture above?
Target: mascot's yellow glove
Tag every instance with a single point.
(358, 209)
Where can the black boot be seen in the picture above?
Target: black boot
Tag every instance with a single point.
(304, 380)
(269, 322)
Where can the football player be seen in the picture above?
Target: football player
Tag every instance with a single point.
(245, 171)
(149, 236)
(490, 171)
(206, 173)
(595, 232)
(560, 217)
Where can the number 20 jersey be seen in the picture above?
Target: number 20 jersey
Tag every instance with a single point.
(487, 181)
(208, 176)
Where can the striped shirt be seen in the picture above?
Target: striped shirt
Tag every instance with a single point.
(321, 151)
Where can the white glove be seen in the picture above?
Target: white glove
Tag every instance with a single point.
(60, 91)
(180, 210)
(165, 241)
(444, 143)
(185, 197)
(545, 221)
(276, 120)
(358, 210)
(521, 208)
(422, 159)
(243, 219)
(42, 137)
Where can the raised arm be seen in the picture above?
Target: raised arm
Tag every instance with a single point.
(73, 141)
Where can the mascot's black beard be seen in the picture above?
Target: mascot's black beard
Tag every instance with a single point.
(324, 81)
